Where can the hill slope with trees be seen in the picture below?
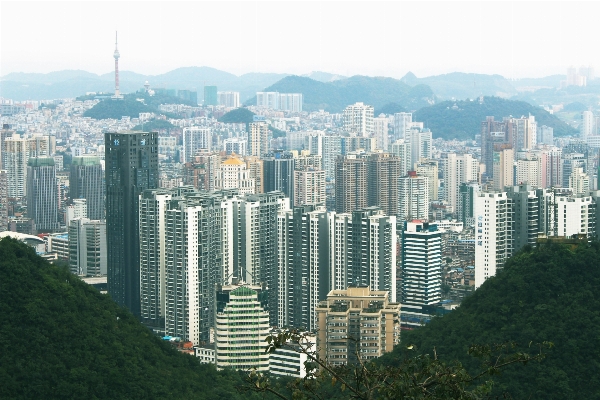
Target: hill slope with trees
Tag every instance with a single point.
(60, 338)
(546, 294)
(336, 95)
(464, 121)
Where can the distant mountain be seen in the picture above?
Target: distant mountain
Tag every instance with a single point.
(324, 76)
(551, 293)
(460, 86)
(462, 119)
(335, 96)
(65, 84)
(552, 81)
(62, 339)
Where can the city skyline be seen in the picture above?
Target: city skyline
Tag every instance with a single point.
(424, 38)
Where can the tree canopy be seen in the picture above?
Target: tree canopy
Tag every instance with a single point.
(61, 338)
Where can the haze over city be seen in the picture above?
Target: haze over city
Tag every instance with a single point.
(513, 39)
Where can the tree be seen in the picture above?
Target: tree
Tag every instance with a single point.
(416, 377)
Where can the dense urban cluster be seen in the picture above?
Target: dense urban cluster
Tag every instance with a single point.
(345, 226)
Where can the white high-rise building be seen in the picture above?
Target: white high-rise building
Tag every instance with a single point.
(15, 160)
(401, 148)
(420, 143)
(259, 138)
(229, 99)
(309, 186)
(493, 242)
(413, 197)
(402, 124)
(574, 214)
(503, 167)
(194, 139)
(458, 169)
(238, 146)
(380, 131)
(429, 168)
(87, 247)
(268, 100)
(579, 181)
(358, 119)
(529, 171)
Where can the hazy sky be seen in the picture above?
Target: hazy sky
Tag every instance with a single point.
(390, 38)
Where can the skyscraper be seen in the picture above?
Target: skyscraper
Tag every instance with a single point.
(131, 167)
(278, 173)
(587, 124)
(421, 264)
(350, 183)
(259, 139)
(194, 139)
(42, 194)
(413, 197)
(358, 119)
(210, 96)
(383, 172)
(86, 183)
(458, 169)
(380, 131)
(15, 160)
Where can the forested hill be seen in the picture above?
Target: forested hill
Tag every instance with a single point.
(60, 338)
(336, 95)
(462, 119)
(548, 294)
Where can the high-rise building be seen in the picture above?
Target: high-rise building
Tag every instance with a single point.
(493, 243)
(278, 172)
(350, 183)
(402, 124)
(229, 99)
(401, 149)
(579, 181)
(235, 145)
(358, 119)
(357, 321)
(255, 166)
(210, 96)
(587, 124)
(383, 172)
(194, 139)
(201, 172)
(413, 197)
(524, 133)
(241, 329)
(458, 169)
(467, 192)
(571, 161)
(85, 182)
(529, 171)
(309, 186)
(131, 167)
(15, 161)
(42, 195)
(421, 265)
(259, 139)
(419, 146)
(87, 247)
(291, 102)
(503, 157)
(492, 133)
(304, 257)
(3, 200)
(545, 135)
(268, 100)
(429, 169)
(380, 131)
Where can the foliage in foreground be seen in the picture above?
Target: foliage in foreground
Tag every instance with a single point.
(419, 376)
(60, 338)
(550, 293)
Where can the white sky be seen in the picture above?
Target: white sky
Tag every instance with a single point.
(514, 39)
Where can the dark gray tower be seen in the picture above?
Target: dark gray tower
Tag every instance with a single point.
(278, 173)
(42, 194)
(131, 167)
(86, 183)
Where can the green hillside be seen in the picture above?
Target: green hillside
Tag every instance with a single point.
(60, 338)
(464, 121)
(548, 294)
(335, 96)
(131, 107)
(238, 116)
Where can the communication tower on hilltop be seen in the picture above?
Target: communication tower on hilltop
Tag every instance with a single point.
(116, 55)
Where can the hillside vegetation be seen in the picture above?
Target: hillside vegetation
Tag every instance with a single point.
(546, 294)
(336, 95)
(130, 106)
(464, 121)
(60, 338)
